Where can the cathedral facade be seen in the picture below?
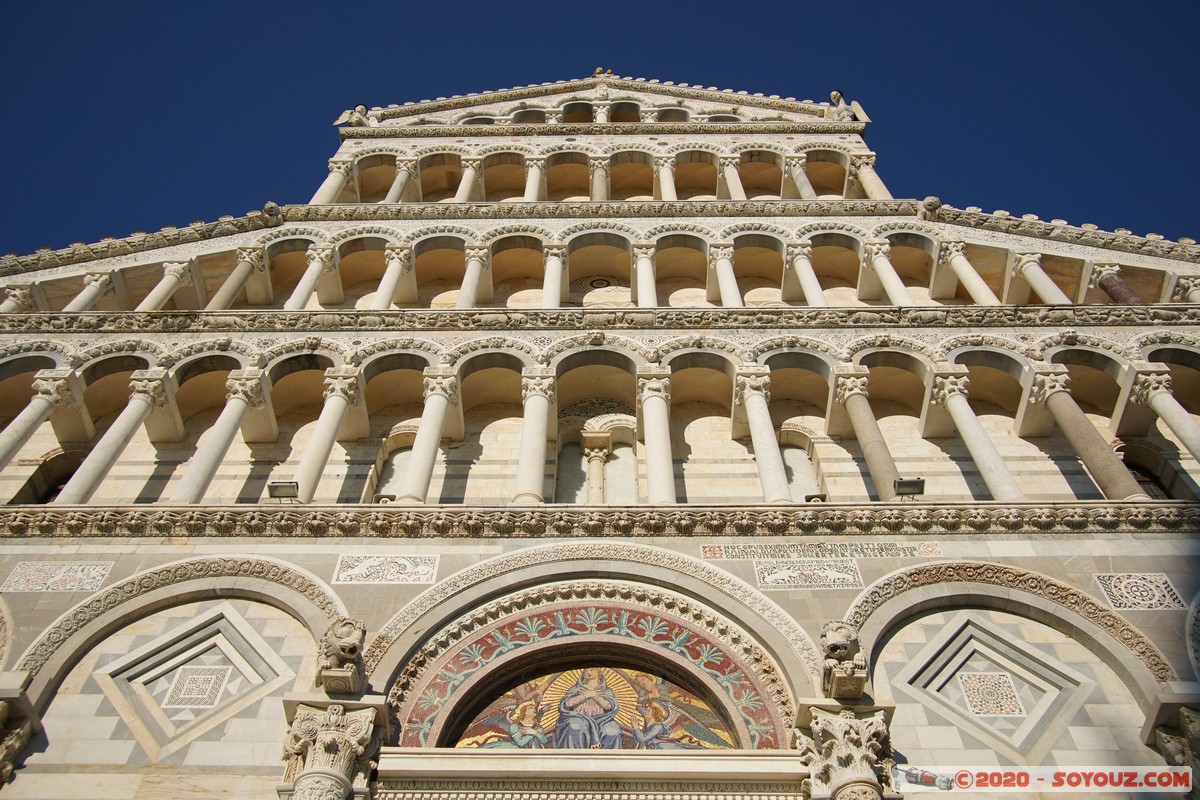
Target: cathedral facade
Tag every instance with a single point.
(632, 423)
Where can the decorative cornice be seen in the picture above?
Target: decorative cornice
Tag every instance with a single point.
(359, 521)
(485, 319)
(602, 129)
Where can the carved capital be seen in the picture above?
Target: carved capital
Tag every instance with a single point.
(793, 163)
(718, 251)
(951, 250)
(343, 382)
(1184, 286)
(1028, 260)
(247, 385)
(21, 296)
(407, 166)
(343, 168)
(99, 280)
(554, 116)
(54, 385)
(150, 385)
(725, 162)
(665, 162)
(649, 116)
(946, 385)
(1046, 384)
(876, 248)
(472, 164)
(752, 383)
(535, 163)
(478, 253)
(398, 256)
(847, 755)
(643, 251)
(1149, 383)
(555, 251)
(329, 744)
(253, 256)
(538, 384)
(1100, 272)
(802, 250)
(597, 165)
(596, 453)
(846, 385)
(444, 384)
(654, 387)
(860, 163)
(320, 256)
(180, 271)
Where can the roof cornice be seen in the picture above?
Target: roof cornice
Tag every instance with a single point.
(599, 129)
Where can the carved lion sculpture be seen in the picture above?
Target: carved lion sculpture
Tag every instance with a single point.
(343, 644)
(844, 670)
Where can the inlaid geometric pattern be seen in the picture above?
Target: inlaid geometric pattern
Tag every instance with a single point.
(1128, 591)
(196, 686)
(991, 694)
(385, 569)
(808, 573)
(713, 552)
(57, 576)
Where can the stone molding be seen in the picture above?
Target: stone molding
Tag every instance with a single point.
(894, 585)
(370, 521)
(1106, 316)
(601, 129)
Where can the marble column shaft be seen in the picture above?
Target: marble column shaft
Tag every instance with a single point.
(1107, 277)
(396, 261)
(95, 286)
(476, 258)
(722, 261)
(174, 276)
(466, 184)
(644, 275)
(951, 391)
(404, 173)
(49, 393)
(335, 181)
(869, 179)
(552, 280)
(320, 258)
(800, 178)
(596, 456)
(598, 179)
(733, 179)
(1029, 266)
(1154, 390)
(952, 254)
(245, 392)
(852, 393)
(341, 392)
(248, 260)
(876, 254)
(810, 284)
(654, 395)
(772, 474)
(15, 299)
(538, 392)
(440, 393)
(534, 168)
(666, 179)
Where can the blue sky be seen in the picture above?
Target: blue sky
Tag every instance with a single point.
(129, 116)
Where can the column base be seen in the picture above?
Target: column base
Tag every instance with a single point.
(527, 499)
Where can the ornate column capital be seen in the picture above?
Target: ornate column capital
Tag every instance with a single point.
(343, 382)
(558, 251)
(654, 384)
(847, 385)
(443, 383)
(597, 164)
(21, 295)
(537, 163)
(718, 251)
(1183, 286)
(724, 162)
(537, 383)
(793, 163)
(858, 163)
(644, 251)
(408, 165)
(400, 255)
(847, 755)
(1148, 382)
(54, 385)
(800, 250)
(247, 385)
(151, 385)
(951, 250)
(1100, 272)
(665, 162)
(554, 116)
(876, 248)
(479, 253)
(1027, 260)
(100, 280)
(328, 748)
(649, 116)
(342, 167)
(179, 270)
(752, 381)
(320, 255)
(596, 453)
(253, 256)
(470, 164)
(1046, 384)
(946, 385)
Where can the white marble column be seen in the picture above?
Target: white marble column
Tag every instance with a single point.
(951, 392)
(320, 259)
(95, 286)
(666, 178)
(1187, 290)
(175, 275)
(404, 173)
(643, 269)
(477, 263)
(16, 298)
(397, 261)
(796, 168)
(552, 279)
(1105, 466)
(1153, 390)
(753, 391)
(249, 261)
(1029, 266)
(466, 184)
(875, 256)
(600, 112)
(537, 394)
(341, 393)
(535, 168)
(654, 397)
(441, 392)
(598, 178)
(864, 169)
(851, 392)
(51, 390)
(953, 255)
(596, 448)
(720, 259)
(331, 189)
(147, 392)
(733, 179)
(245, 392)
(800, 257)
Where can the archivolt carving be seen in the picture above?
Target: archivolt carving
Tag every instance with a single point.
(69, 355)
(599, 226)
(890, 342)
(691, 147)
(496, 234)
(375, 231)
(496, 343)
(588, 149)
(1073, 338)
(153, 349)
(312, 344)
(705, 233)
(762, 677)
(911, 226)
(814, 228)
(359, 155)
(606, 423)
(619, 147)
(890, 586)
(170, 575)
(681, 343)
(430, 231)
(438, 149)
(607, 551)
(767, 147)
(1016, 349)
(591, 341)
(251, 357)
(364, 353)
(733, 231)
(290, 232)
(808, 147)
(794, 342)
(1145, 341)
(509, 147)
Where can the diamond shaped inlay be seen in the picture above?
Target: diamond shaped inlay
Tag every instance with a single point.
(197, 687)
(991, 694)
